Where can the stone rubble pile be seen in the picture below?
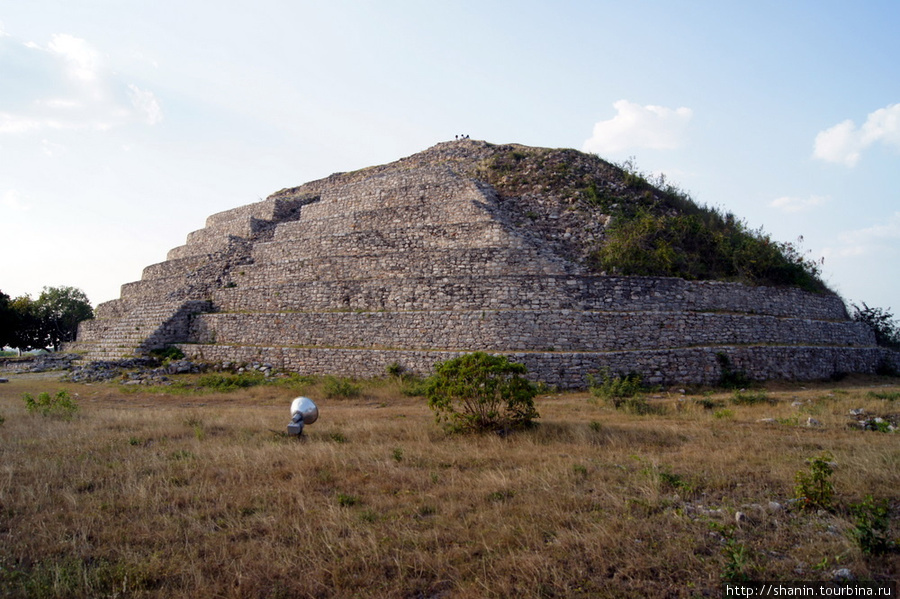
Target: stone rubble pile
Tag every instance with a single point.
(133, 371)
(39, 363)
(889, 423)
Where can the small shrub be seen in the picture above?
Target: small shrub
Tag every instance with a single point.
(723, 414)
(167, 353)
(676, 482)
(708, 403)
(182, 454)
(814, 488)
(59, 406)
(346, 500)
(623, 392)
(737, 561)
(500, 496)
(872, 526)
(368, 516)
(886, 395)
(640, 407)
(231, 382)
(294, 381)
(413, 386)
(616, 388)
(744, 397)
(879, 425)
(480, 392)
(340, 388)
(395, 369)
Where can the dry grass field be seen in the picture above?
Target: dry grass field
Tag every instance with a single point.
(147, 494)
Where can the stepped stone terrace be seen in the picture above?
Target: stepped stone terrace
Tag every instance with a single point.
(422, 260)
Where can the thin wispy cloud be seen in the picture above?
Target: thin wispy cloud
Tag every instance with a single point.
(146, 104)
(14, 201)
(636, 126)
(69, 87)
(844, 143)
(83, 61)
(795, 204)
(52, 149)
(870, 240)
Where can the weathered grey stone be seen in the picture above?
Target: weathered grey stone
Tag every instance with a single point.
(419, 261)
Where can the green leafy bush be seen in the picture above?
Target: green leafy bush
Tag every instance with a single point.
(230, 382)
(168, 353)
(340, 388)
(615, 389)
(738, 564)
(481, 392)
(623, 392)
(702, 245)
(871, 528)
(814, 488)
(749, 397)
(60, 405)
(640, 406)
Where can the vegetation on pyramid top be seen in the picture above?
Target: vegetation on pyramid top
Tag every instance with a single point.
(615, 220)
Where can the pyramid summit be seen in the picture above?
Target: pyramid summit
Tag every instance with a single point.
(473, 246)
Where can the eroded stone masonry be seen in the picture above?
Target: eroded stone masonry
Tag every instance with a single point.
(419, 261)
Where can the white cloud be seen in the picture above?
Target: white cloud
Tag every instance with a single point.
(636, 126)
(795, 204)
(52, 149)
(82, 59)
(870, 240)
(146, 103)
(14, 201)
(70, 88)
(11, 123)
(844, 142)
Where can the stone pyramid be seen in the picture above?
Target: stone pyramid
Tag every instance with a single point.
(423, 259)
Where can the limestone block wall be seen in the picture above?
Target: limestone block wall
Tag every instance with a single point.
(277, 287)
(569, 370)
(519, 330)
(413, 263)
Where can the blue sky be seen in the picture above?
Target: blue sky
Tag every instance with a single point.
(125, 123)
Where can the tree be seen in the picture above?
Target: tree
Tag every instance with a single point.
(48, 321)
(59, 310)
(26, 331)
(881, 322)
(481, 392)
(7, 321)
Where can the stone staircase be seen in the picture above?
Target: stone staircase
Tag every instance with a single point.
(157, 311)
